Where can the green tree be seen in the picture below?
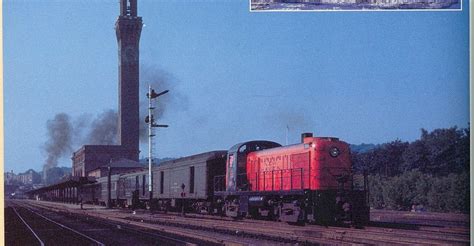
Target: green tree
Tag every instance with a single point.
(415, 157)
(376, 198)
(401, 192)
(442, 145)
(450, 193)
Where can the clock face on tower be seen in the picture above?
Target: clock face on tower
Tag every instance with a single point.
(130, 55)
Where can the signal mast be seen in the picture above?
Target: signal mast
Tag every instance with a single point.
(151, 95)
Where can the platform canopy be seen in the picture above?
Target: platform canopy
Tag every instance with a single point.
(71, 182)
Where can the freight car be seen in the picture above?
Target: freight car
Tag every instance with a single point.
(188, 182)
(306, 182)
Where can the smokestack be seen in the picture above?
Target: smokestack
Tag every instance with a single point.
(306, 135)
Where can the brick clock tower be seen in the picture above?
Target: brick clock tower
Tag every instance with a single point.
(90, 157)
(128, 29)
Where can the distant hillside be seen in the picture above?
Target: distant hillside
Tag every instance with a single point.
(55, 174)
(63, 169)
(363, 147)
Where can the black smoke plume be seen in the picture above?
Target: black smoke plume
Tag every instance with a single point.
(103, 129)
(81, 126)
(65, 135)
(159, 80)
(60, 132)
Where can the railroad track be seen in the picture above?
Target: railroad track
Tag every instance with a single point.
(420, 219)
(375, 234)
(213, 235)
(320, 234)
(16, 231)
(114, 219)
(46, 230)
(87, 230)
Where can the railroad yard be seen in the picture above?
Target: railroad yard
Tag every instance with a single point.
(241, 84)
(30, 222)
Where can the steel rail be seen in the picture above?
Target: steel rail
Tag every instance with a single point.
(122, 226)
(24, 222)
(137, 231)
(65, 227)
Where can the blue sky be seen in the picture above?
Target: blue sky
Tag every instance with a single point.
(233, 75)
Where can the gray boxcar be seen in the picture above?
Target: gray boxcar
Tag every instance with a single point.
(188, 181)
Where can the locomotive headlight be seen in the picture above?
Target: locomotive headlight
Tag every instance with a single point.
(334, 152)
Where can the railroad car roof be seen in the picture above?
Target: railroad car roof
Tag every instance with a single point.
(134, 171)
(198, 157)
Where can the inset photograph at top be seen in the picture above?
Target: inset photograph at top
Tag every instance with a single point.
(353, 5)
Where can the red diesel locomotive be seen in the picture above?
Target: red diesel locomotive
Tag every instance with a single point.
(307, 182)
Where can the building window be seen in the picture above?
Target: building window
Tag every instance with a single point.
(191, 179)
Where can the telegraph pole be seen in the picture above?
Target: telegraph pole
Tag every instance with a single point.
(109, 185)
(151, 95)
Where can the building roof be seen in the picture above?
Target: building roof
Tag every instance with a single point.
(100, 148)
(121, 163)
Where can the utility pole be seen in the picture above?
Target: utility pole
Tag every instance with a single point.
(151, 124)
(109, 185)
